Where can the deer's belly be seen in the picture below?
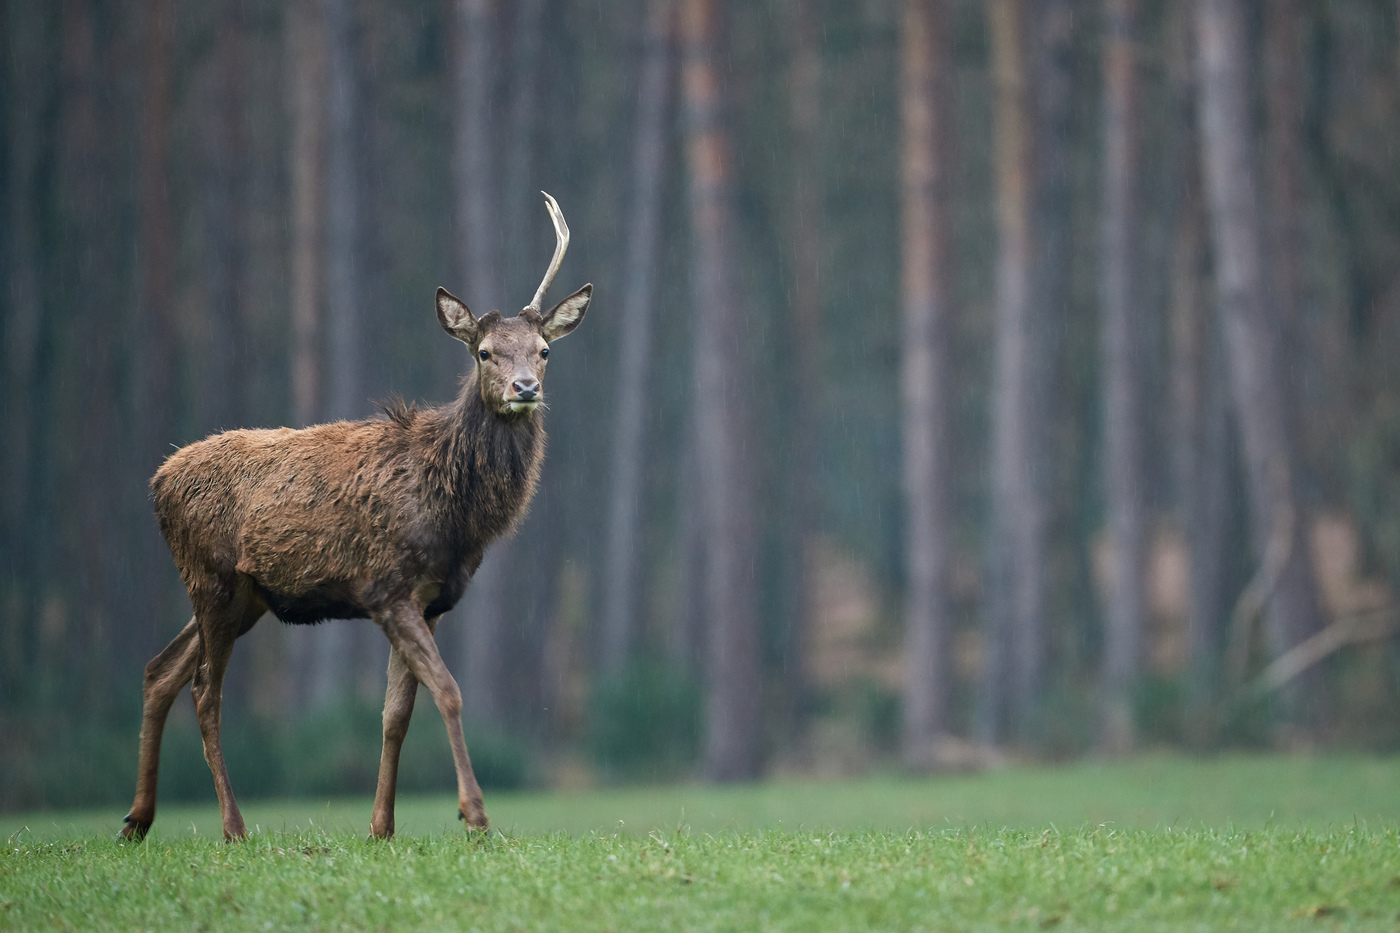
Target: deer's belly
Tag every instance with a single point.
(314, 605)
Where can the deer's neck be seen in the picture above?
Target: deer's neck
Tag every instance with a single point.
(489, 463)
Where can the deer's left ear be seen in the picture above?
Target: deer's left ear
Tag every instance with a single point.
(564, 317)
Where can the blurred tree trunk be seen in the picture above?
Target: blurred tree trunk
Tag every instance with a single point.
(344, 369)
(155, 350)
(733, 705)
(805, 337)
(1285, 249)
(686, 638)
(529, 587)
(84, 172)
(520, 214)
(226, 225)
(1124, 324)
(156, 234)
(621, 584)
(367, 67)
(477, 225)
(1200, 414)
(26, 45)
(371, 57)
(1256, 347)
(1285, 231)
(1014, 630)
(926, 106)
(306, 67)
(1050, 45)
(305, 62)
(226, 234)
(337, 647)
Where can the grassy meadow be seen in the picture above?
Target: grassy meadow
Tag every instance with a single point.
(1154, 843)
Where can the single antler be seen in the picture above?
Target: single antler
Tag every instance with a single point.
(561, 246)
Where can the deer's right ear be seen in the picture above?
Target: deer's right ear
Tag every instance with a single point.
(455, 318)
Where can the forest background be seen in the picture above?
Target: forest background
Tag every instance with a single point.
(964, 381)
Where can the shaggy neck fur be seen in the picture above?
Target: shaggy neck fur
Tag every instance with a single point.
(483, 464)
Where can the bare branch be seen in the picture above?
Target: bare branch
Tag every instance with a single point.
(1371, 626)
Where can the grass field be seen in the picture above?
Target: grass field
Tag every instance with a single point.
(1155, 843)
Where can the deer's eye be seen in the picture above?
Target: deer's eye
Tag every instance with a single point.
(483, 355)
(544, 353)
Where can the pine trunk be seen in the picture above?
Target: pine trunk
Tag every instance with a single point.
(620, 585)
(337, 647)
(24, 296)
(1124, 325)
(477, 228)
(1254, 337)
(84, 171)
(1014, 633)
(1200, 417)
(802, 525)
(306, 66)
(733, 706)
(926, 170)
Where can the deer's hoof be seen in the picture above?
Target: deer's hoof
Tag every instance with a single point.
(134, 830)
(475, 818)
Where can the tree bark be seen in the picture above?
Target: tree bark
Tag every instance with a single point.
(1285, 243)
(516, 148)
(1255, 344)
(802, 524)
(305, 61)
(620, 585)
(156, 233)
(477, 228)
(1123, 326)
(306, 65)
(1014, 631)
(155, 352)
(926, 170)
(26, 67)
(84, 170)
(225, 195)
(733, 705)
(337, 647)
(1200, 416)
(345, 384)
(225, 225)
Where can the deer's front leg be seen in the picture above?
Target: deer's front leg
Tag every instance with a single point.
(413, 639)
(398, 710)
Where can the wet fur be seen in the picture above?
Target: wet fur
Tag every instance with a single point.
(386, 518)
(342, 520)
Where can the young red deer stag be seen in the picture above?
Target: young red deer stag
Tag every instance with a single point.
(384, 519)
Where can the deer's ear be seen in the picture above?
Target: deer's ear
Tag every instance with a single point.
(455, 318)
(564, 317)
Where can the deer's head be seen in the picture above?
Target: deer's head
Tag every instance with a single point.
(511, 353)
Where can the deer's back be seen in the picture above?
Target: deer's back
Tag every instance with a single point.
(324, 520)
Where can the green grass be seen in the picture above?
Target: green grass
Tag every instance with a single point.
(1155, 843)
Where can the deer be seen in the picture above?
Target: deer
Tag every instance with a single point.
(386, 519)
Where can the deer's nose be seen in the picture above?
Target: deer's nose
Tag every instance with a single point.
(526, 389)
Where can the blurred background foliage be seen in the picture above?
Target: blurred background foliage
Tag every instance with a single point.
(234, 213)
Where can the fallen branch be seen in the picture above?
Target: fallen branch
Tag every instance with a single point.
(1369, 626)
(1277, 551)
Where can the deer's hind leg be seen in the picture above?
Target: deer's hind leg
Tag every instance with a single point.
(166, 675)
(220, 625)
